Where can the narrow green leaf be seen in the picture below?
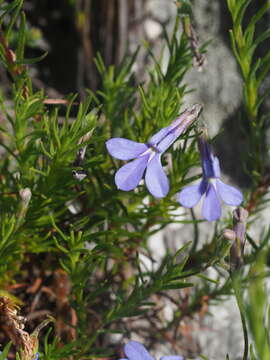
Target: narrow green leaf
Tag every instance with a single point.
(240, 11)
(251, 47)
(31, 61)
(8, 8)
(177, 285)
(259, 14)
(17, 7)
(21, 39)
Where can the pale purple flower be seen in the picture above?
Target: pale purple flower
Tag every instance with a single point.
(211, 186)
(148, 156)
(136, 351)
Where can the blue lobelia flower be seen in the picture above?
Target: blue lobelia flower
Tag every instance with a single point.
(147, 156)
(211, 186)
(136, 351)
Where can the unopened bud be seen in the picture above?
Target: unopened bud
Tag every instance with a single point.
(240, 214)
(25, 195)
(11, 56)
(229, 234)
(81, 152)
(86, 137)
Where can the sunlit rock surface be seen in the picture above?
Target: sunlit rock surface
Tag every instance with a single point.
(218, 88)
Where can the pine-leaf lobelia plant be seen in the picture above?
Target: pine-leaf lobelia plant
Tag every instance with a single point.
(87, 183)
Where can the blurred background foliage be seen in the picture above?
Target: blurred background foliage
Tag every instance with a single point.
(76, 31)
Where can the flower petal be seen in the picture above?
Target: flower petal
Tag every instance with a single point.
(159, 136)
(156, 180)
(191, 195)
(136, 351)
(166, 136)
(168, 140)
(129, 175)
(211, 209)
(210, 163)
(175, 130)
(229, 194)
(172, 357)
(125, 149)
(216, 167)
(178, 126)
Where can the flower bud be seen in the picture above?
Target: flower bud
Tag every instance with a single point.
(229, 234)
(25, 195)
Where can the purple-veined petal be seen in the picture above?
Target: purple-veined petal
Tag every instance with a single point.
(191, 195)
(124, 149)
(129, 175)
(170, 133)
(210, 163)
(229, 194)
(186, 118)
(172, 357)
(216, 167)
(155, 178)
(211, 209)
(158, 136)
(178, 126)
(168, 140)
(136, 351)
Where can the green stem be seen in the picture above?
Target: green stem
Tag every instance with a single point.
(196, 232)
(237, 291)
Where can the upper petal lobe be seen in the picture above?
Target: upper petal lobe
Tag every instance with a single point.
(229, 194)
(156, 179)
(168, 140)
(211, 209)
(129, 175)
(176, 127)
(136, 351)
(191, 195)
(216, 167)
(124, 149)
(172, 357)
(155, 139)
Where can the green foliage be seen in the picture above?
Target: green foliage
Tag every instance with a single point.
(245, 42)
(257, 309)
